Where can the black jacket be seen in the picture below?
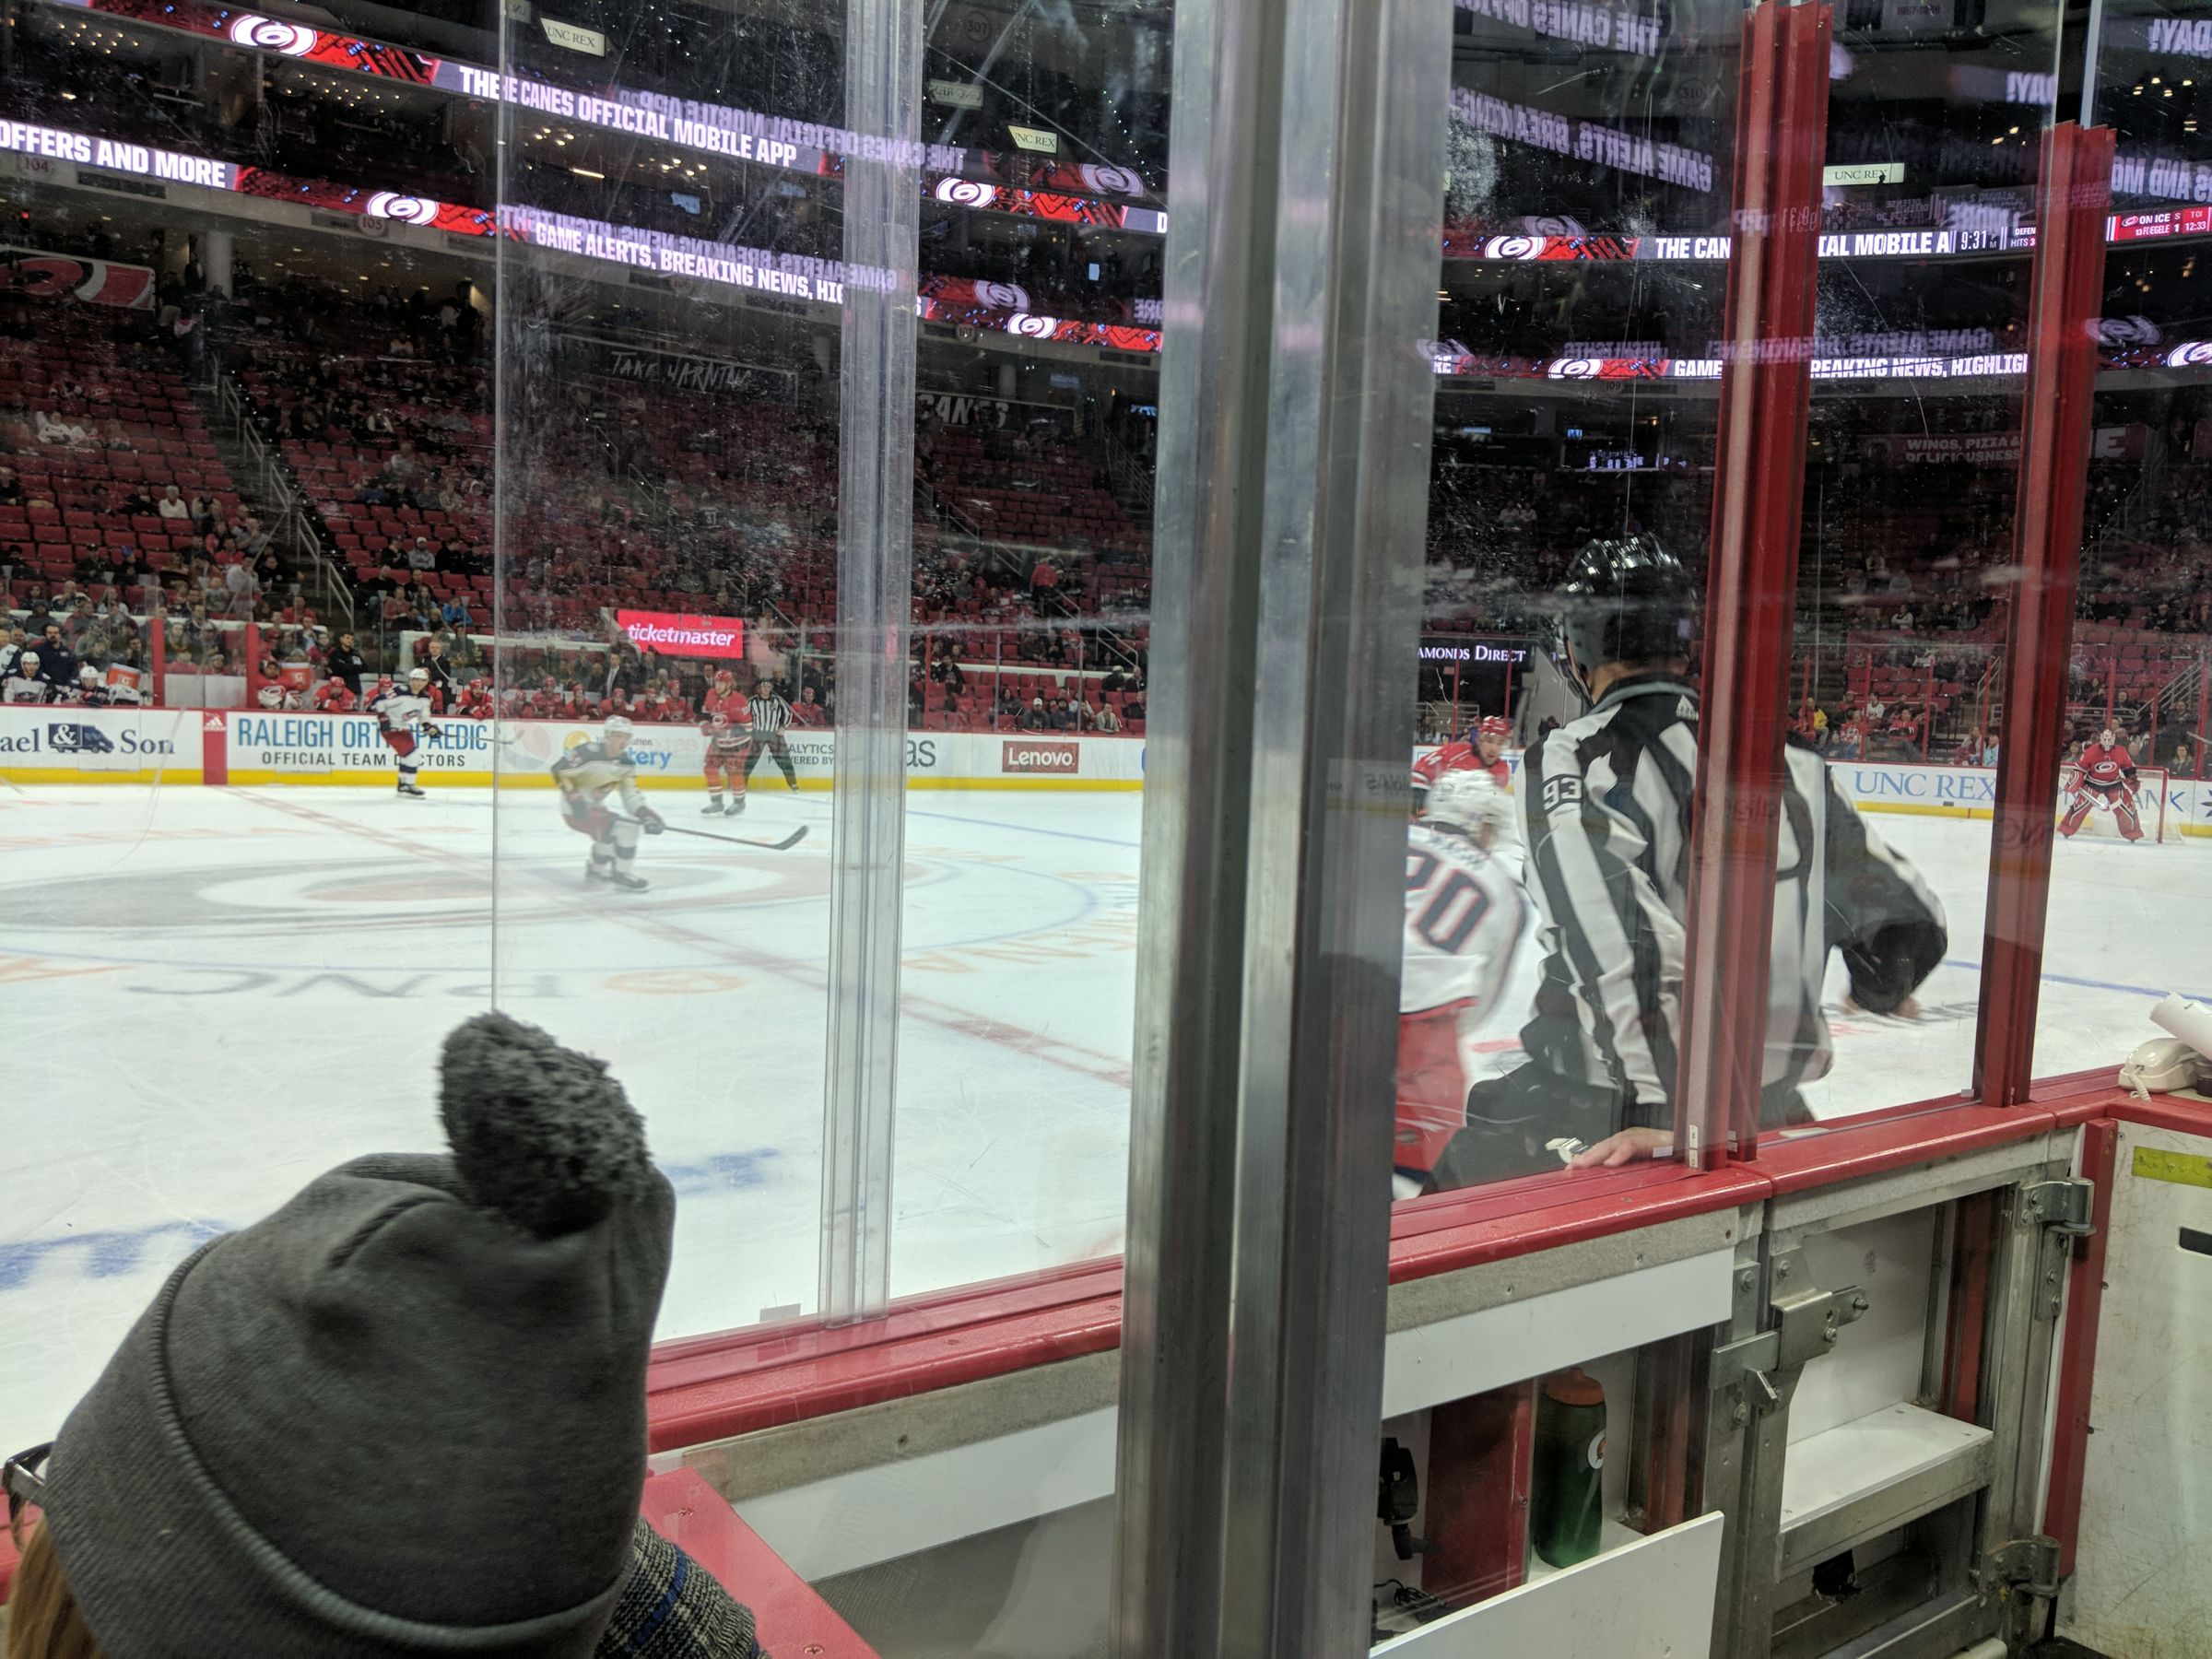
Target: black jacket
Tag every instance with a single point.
(346, 665)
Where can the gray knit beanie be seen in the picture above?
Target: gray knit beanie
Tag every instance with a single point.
(404, 1414)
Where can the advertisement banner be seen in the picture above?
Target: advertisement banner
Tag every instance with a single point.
(1961, 449)
(250, 747)
(1972, 792)
(348, 748)
(1040, 757)
(51, 744)
(677, 633)
(675, 371)
(94, 281)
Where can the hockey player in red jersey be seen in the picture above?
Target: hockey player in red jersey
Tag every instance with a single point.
(476, 701)
(2105, 776)
(334, 696)
(1482, 750)
(725, 718)
(405, 719)
(1464, 916)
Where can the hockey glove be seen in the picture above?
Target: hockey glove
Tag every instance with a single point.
(652, 820)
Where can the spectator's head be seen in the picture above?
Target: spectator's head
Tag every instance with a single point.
(345, 640)
(171, 493)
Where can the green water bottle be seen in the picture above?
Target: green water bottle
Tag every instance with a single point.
(1565, 1507)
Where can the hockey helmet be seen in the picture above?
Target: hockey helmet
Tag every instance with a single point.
(1495, 725)
(1472, 803)
(1624, 599)
(618, 726)
(87, 675)
(418, 676)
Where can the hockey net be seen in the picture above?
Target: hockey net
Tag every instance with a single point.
(2103, 824)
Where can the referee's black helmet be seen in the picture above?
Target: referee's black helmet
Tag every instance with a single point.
(1624, 599)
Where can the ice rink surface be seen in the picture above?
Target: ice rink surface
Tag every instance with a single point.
(212, 995)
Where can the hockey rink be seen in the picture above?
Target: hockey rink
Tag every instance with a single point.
(213, 994)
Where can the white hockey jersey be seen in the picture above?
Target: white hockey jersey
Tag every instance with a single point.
(401, 710)
(588, 772)
(1464, 916)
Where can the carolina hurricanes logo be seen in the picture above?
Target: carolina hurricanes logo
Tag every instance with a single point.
(1576, 369)
(1513, 247)
(266, 34)
(2127, 331)
(2198, 354)
(1002, 296)
(1109, 179)
(1030, 327)
(407, 209)
(966, 192)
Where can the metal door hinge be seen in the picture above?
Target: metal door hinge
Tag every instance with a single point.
(1807, 1322)
(2064, 1207)
(2028, 1565)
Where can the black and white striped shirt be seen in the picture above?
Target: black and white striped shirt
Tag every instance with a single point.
(1605, 809)
(770, 713)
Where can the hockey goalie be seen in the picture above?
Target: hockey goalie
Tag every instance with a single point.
(2104, 779)
(1464, 916)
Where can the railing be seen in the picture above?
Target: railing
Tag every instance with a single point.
(294, 525)
(1130, 478)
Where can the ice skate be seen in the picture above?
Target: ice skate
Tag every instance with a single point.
(414, 792)
(734, 809)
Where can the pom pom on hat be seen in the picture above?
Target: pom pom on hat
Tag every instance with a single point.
(540, 1134)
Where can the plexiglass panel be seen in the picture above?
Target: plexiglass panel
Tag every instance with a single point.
(237, 384)
(669, 495)
(2132, 807)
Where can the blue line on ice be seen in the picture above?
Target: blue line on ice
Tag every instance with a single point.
(109, 1253)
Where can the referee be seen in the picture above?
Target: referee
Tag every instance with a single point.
(771, 713)
(1606, 804)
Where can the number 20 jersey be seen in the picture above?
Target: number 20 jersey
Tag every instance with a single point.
(1464, 916)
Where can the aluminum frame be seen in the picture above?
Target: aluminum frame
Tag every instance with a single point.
(875, 564)
(1291, 505)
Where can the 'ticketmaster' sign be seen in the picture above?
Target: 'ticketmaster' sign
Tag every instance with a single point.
(675, 634)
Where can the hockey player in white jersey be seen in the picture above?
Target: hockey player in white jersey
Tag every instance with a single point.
(404, 717)
(1465, 915)
(587, 775)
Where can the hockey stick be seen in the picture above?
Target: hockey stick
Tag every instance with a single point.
(793, 840)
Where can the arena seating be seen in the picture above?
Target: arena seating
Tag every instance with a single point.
(89, 370)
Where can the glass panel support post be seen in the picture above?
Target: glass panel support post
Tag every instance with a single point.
(2064, 305)
(1305, 201)
(875, 560)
